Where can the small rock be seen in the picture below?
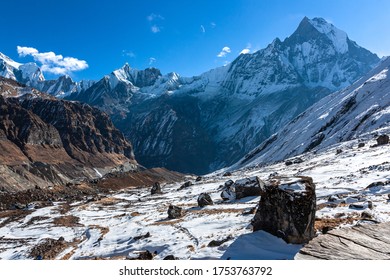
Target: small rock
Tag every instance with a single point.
(366, 215)
(356, 206)
(147, 235)
(339, 215)
(229, 183)
(144, 255)
(19, 206)
(382, 140)
(175, 212)
(216, 243)
(297, 160)
(186, 185)
(388, 195)
(204, 199)
(370, 206)
(333, 198)
(288, 162)
(156, 189)
(169, 258)
(198, 179)
(325, 229)
(227, 174)
(361, 145)
(339, 151)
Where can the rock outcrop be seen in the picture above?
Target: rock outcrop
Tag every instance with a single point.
(287, 209)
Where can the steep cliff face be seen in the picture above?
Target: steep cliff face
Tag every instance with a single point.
(46, 141)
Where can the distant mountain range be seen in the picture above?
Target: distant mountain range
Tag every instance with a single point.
(206, 122)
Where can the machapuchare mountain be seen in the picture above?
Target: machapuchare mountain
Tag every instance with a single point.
(361, 111)
(206, 122)
(46, 141)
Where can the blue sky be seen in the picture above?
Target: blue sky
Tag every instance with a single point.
(188, 37)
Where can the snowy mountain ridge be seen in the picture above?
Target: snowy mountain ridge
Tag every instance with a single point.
(229, 110)
(361, 109)
(30, 74)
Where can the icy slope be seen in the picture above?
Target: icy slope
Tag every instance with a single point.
(361, 109)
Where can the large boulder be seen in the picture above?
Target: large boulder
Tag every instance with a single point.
(287, 209)
(204, 199)
(228, 193)
(382, 140)
(248, 187)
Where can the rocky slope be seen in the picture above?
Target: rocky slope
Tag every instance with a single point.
(46, 141)
(361, 110)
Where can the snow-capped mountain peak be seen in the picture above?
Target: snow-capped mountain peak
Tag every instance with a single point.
(337, 36)
(31, 73)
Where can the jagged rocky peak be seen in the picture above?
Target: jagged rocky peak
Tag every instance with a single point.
(139, 78)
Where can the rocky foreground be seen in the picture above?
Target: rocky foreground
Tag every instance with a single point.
(211, 217)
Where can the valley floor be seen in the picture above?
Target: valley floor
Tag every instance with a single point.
(352, 185)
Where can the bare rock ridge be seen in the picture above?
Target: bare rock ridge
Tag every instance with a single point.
(46, 141)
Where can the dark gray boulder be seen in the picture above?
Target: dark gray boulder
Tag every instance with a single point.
(248, 187)
(287, 209)
(175, 212)
(204, 199)
(382, 140)
(156, 188)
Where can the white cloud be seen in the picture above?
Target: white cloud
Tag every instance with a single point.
(128, 53)
(53, 63)
(154, 19)
(202, 29)
(154, 16)
(24, 51)
(247, 49)
(152, 60)
(212, 24)
(224, 52)
(155, 29)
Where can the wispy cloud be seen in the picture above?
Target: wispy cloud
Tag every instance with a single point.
(53, 63)
(152, 60)
(155, 29)
(213, 24)
(202, 29)
(224, 52)
(128, 53)
(154, 21)
(154, 16)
